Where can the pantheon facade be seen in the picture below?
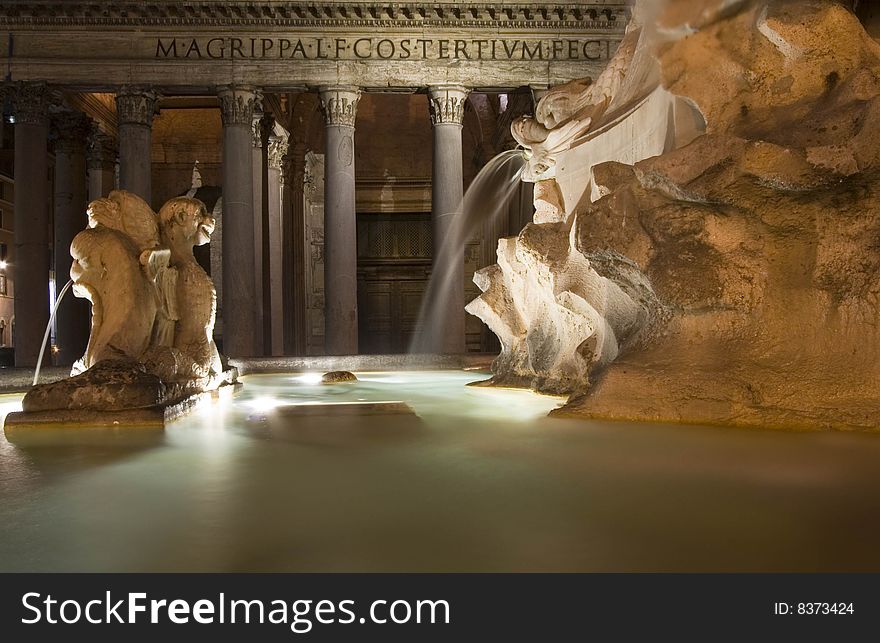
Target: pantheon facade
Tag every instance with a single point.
(332, 140)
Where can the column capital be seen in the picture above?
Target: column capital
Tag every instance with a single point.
(446, 104)
(293, 163)
(257, 130)
(339, 104)
(70, 130)
(277, 150)
(101, 152)
(135, 105)
(261, 127)
(31, 102)
(238, 104)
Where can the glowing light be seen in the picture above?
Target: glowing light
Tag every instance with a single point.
(3, 264)
(309, 378)
(9, 406)
(263, 404)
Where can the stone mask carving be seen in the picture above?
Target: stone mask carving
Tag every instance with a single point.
(570, 111)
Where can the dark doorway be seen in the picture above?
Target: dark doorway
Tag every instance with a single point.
(394, 264)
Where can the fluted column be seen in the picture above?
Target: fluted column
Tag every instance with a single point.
(31, 266)
(294, 248)
(101, 159)
(277, 148)
(134, 113)
(446, 104)
(71, 130)
(340, 226)
(239, 314)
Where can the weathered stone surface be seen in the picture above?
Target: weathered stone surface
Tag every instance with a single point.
(283, 46)
(336, 377)
(110, 385)
(758, 241)
(560, 312)
(123, 303)
(66, 425)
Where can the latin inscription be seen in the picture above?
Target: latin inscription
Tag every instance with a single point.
(369, 48)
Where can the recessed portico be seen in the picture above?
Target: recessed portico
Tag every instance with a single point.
(263, 59)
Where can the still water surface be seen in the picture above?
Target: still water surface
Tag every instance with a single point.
(481, 481)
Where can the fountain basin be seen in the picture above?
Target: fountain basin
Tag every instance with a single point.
(151, 417)
(481, 480)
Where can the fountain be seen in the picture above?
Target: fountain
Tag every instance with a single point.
(704, 250)
(151, 353)
(706, 244)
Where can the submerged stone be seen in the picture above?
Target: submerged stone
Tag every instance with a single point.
(338, 377)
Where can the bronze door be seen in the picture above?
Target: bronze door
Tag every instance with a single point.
(394, 263)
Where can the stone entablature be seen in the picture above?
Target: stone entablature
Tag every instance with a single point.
(600, 14)
(284, 46)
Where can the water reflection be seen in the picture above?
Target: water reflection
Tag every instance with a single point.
(484, 483)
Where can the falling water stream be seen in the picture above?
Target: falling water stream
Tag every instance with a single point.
(485, 201)
(49, 328)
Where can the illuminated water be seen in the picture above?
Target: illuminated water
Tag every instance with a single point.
(483, 482)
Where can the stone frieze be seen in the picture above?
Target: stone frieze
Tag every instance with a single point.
(597, 15)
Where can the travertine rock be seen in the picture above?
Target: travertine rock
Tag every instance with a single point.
(111, 385)
(752, 253)
(559, 312)
(549, 205)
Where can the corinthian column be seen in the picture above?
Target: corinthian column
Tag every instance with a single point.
(71, 131)
(31, 260)
(101, 158)
(446, 104)
(259, 173)
(293, 230)
(239, 315)
(340, 226)
(277, 148)
(134, 113)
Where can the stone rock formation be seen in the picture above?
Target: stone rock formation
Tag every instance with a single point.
(153, 309)
(338, 377)
(735, 277)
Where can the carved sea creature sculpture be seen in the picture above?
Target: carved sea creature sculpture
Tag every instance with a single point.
(106, 271)
(153, 308)
(184, 223)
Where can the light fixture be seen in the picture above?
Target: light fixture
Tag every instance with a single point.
(2, 264)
